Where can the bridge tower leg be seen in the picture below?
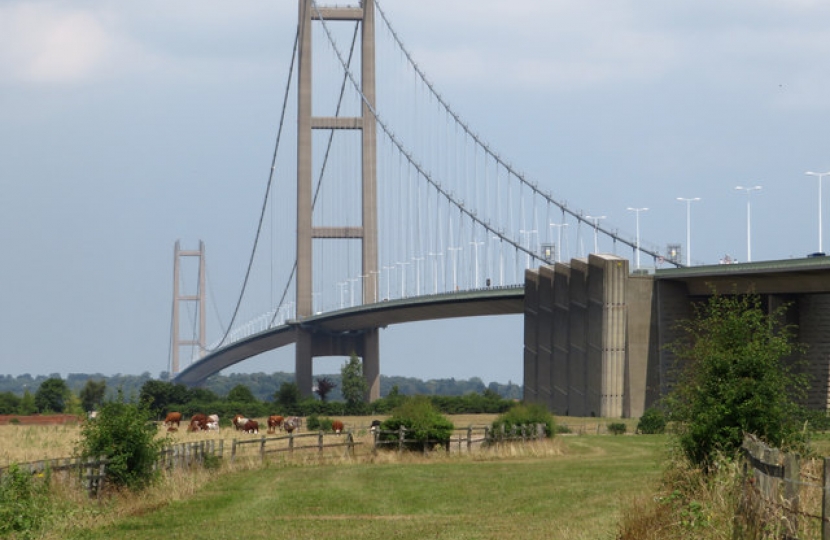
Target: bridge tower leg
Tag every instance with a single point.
(178, 298)
(307, 345)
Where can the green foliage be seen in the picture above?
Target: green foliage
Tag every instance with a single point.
(525, 414)
(423, 424)
(9, 403)
(27, 403)
(161, 396)
(242, 394)
(51, 396)
(316, 423)
(617, 428)
(124, 433)
(288, 396)
(653, 422)
(735, 379)
(353, 383)
(24, 502)
(92, 394)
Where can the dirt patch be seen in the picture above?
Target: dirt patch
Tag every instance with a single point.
(39, 419)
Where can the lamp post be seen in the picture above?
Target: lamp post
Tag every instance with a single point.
(454, 251)
(558, 239)
(595, 219)
(820, 176)
(475, 245)
(748, 191)
(688, 227)
(637, 212)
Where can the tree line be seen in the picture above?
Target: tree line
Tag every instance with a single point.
(254, 394)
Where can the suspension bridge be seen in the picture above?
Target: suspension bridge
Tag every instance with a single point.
(399, 211)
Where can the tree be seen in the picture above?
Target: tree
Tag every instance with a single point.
(288, 395)
(27, 403)
(324, 386)
(735, 378)
(51, 396)
(123, 433)
(92, 394)
(353, 384)
(9, 403)
(241, 394)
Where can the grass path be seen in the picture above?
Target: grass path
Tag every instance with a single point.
(575, 495)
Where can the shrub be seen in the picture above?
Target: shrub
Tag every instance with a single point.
(653, 422)
(316, 423)
(24, 502)
(424, 425)
(522, 414)
(124, 434)
(736, 378)
(617, 428)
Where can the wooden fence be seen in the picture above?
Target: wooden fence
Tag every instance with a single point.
(88, 472)
(786, 492)
(461, 439)
(295, 442)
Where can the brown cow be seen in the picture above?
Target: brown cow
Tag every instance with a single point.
(198, 422)
(173, 418)
(251, 426)
(337, 426)
(274, 422)
(239, 422)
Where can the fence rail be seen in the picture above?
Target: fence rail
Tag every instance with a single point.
(89, 472)
(786, 491)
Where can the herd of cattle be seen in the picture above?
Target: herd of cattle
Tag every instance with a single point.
(202, 422)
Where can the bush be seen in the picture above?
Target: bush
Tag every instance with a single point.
(617, 428)
(316, 423)
(24, 502)
(737, 377)
(653, 422)
(425, 426)
(521, 415)
(124, 434)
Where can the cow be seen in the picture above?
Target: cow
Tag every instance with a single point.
(275, 421)
(198, 422)
(251, 426)
(173, 418)
(212, 422)
(239, 422)
(337, 426)
(375, 426)
(289, 425)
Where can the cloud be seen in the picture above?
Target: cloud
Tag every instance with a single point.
(43, 43)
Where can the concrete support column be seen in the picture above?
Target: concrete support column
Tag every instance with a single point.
(531, 342)
(560, 368)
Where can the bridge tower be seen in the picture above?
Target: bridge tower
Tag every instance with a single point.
(308, 343)
(178, 298)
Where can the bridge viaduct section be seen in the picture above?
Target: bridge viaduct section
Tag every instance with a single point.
(595, 334)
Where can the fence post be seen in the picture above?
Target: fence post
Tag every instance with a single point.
(349, 444)
(262, 449)
(291, 443)
(401, 431)
(469, 438)
(320, 441)
(792, 475)
(233, 451)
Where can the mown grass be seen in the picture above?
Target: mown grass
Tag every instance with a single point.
(574, 490)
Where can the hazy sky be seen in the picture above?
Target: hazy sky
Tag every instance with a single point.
(126, 126)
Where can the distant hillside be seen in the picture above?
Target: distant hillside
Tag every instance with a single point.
(263, 385)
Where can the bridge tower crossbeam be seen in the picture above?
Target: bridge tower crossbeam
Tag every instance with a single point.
(308, 343)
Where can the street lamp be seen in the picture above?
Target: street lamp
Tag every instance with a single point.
(558, 239)
(748, 191)
(688, 227)
(475, 254)
(596, 230)
(637, 212)
(820, 176)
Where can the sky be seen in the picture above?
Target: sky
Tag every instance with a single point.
(125, 127)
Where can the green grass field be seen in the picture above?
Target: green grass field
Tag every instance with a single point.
(577, 494)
